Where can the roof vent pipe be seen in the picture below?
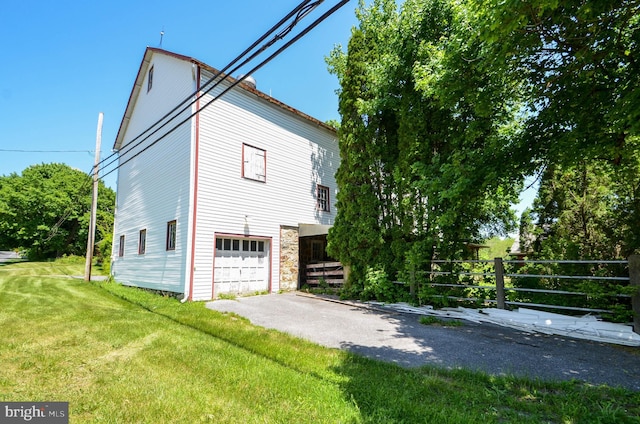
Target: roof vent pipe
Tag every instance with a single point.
(249, 80)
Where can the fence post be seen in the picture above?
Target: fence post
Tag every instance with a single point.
(499, 269)
(412, 283)
(634, 281)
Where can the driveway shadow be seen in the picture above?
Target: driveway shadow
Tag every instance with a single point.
(399, 338)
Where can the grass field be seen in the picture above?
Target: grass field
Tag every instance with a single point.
(122, 355)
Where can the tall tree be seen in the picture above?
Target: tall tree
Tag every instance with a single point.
(587, 210)
(578, 61)
(45, 210)
(422, 170)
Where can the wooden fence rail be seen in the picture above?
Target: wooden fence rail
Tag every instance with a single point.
(331, 273)
(501, 299)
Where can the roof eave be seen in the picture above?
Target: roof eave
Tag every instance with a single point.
(142, 71)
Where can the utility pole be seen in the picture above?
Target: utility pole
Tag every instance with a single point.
(94, 203)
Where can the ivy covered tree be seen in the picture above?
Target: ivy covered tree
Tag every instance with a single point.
(423, 169)
(45, 211)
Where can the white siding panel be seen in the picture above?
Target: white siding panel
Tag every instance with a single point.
(154, 187)
(299, 154)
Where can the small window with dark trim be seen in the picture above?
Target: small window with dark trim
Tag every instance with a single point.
(323, 201)
(121, 246)
(142, 242)
(254, 163)
(171, 235)
(150, 79)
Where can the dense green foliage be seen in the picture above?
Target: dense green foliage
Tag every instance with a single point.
(423, 169)
(578, 61)
(45, 211)
(581, 127)
(584, 211)
(447, 105)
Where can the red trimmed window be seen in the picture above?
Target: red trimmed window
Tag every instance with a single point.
(254, 163)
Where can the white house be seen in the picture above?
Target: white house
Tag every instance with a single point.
(232, 200)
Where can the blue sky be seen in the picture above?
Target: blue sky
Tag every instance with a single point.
(64, 62)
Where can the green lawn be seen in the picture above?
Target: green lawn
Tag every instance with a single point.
(121, 355)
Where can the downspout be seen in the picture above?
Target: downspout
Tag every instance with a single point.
(188, 285)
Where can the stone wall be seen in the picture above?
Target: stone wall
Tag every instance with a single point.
(289, 262)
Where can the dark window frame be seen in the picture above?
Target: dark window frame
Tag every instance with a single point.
(150, 79)
(121, 246)
(171, 235)
(142, 241)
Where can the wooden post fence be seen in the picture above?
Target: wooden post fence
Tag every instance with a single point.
(634, 281)
(499, 269)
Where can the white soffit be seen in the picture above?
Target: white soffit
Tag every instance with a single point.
(307, 230)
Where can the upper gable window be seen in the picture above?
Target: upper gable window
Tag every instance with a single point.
(150, 79)
(254, 163)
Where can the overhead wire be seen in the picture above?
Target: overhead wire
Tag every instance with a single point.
(300, 11)
(234, 84)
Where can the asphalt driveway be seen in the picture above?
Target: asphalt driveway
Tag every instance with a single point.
(400, 338)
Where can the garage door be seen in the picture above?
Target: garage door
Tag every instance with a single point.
(241, 265)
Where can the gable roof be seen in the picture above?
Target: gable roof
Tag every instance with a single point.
(142, 71)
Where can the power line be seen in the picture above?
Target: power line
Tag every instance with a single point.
(238, 81)
(299, 11)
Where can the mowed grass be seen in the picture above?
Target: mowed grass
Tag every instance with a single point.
(122, 355)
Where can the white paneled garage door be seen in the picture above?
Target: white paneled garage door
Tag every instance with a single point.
(241, 265)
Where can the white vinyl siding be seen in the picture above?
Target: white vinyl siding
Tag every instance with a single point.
(300, 155)
(290, 156)
(154, 187)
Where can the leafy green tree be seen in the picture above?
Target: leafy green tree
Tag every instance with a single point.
(578, 61)
(422, 169)
(45, 211)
